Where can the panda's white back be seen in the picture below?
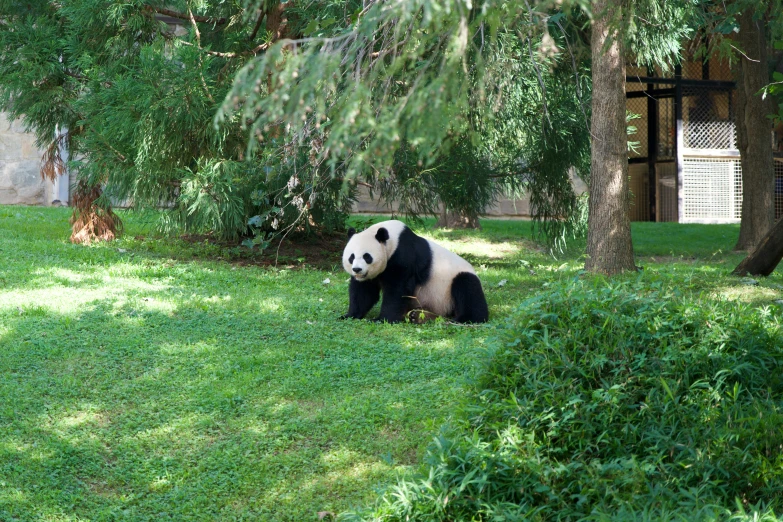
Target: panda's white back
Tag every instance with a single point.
(435, 295)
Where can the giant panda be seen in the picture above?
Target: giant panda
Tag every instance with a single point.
(413, 273)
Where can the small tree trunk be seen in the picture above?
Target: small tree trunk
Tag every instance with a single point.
(609, 247)
(276, 25)
(766, 256)
(451, 219)
(753, 134)
(91, 221)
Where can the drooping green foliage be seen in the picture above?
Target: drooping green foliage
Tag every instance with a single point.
(655, 30)
(432, 102)
(137, 97)
(718, 21)
(620, 401)
(527, 140)
(397, 94)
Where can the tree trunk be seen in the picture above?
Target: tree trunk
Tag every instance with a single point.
(609, 247)
(753, 133)
(764, 259)
(276, 25)
(451, 219)
(90, 220)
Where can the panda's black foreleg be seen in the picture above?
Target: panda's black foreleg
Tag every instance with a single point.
(396, 301)
(470, 305)
(362, 296)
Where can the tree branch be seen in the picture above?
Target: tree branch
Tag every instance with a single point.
(354, 181)
(195, 27)
(185, 16)
(200, 62)
(261, 15)
(254, 50)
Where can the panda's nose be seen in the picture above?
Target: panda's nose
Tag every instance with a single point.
(357, 269)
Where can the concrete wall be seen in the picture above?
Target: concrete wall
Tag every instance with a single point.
(21, 183)
(20, 167)
(503, 208)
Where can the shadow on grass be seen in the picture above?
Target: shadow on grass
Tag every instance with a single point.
(147, 408)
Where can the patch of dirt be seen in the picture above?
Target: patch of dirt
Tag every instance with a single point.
(316, 250)
(685, 259)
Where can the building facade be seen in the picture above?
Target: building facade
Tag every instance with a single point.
(684, 165)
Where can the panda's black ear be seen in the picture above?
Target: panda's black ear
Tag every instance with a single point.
(382, 235)
(351, 232)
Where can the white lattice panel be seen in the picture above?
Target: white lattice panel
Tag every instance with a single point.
(712, 190)
(708, 120)
(710, 135)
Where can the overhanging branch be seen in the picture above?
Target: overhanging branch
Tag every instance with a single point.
(186, 16)
(255, 50)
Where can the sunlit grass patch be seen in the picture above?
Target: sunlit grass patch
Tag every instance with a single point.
(202, 388)
(149, 378)
(481, 249)
(749, 293)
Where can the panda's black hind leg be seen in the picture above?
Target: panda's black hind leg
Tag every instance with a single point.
(470, 305)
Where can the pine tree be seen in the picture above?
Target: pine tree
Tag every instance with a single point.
(609, 247)
(753, 21)
(413, 72)
(137, 86)
(311, 98)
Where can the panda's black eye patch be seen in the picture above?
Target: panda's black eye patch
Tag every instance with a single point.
(350, 259)
(367, 258)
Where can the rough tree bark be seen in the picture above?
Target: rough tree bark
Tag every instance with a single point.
(766, 256)
(609, 247)
(753, 133)
(451, 219)
(276, 25)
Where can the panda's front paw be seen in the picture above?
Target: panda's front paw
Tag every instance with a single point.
(382, 319)
(347, 316)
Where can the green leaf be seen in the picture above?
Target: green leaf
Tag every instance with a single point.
(556, 17)
(355, 16)
(725, 27)
(311, 28)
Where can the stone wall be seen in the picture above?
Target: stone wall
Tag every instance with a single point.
(20, 167)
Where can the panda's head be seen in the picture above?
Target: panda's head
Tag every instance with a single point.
(366, 253)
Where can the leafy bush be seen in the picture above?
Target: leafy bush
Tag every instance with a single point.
(232, 198)
(613, 401)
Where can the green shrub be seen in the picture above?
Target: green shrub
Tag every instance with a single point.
(605, 400)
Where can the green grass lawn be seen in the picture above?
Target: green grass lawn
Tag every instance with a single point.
(146, 379)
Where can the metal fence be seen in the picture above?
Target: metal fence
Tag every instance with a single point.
(708, 119)
(712, 190)
(702, 181)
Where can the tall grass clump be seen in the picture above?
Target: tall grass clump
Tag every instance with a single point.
(613, 401)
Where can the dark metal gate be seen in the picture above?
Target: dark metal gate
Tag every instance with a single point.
(686, 165)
